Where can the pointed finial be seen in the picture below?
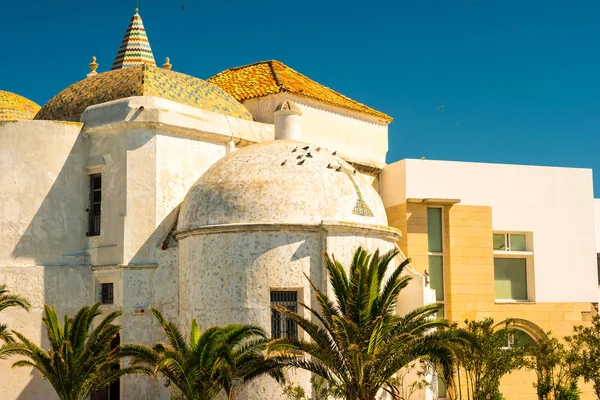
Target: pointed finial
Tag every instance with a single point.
(137, 6)
(167, 65)
(93, 67)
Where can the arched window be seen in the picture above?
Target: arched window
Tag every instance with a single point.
(516, 338)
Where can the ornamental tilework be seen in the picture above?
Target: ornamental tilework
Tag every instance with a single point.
(270, 77)
(140, 80)
(135, 47)
(361, 207)
(14, 107)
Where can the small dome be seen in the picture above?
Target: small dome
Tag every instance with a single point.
(140, 80)
(14, 107)
(280, 182)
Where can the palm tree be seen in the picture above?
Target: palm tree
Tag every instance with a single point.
(10, 300)
(80, 360)
(218, 359)
(358, 342)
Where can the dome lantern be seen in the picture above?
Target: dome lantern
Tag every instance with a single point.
(287, 121)
(135, 47)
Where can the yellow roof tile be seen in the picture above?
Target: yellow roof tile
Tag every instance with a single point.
(140, 80)
(14, 107)
(271, 77)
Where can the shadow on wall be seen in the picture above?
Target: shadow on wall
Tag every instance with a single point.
(50, 220)
(60, 223)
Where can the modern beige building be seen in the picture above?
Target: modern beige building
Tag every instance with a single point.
(210, 199)
(500, 241)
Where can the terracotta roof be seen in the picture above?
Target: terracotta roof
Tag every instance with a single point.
(271, 77)
(14, 107)
(135, 47)
(140, 80)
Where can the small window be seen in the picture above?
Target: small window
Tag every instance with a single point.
(598, 266)
(510, 241)
(510, 278)
(442, 390)
(94, 211)
(106, 293)
(282, 327)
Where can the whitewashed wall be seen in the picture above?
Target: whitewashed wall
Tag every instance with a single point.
(227, 278)
(355, 136)
(43, 197)
(556, 204)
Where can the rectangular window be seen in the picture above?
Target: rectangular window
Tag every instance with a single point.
(435, 244)
(94, 211)
(510, 278)
(434, 229)
(282, 327)
(436, 276)
(510, 241)
(598, 265)
(442, 390)
(106, 293)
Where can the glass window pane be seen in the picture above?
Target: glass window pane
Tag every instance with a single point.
(510, 278)
(442, 391)
(436, 276)
(434, 229)
(517, 242)
(499, 241)
(522, 338)
(441, 313)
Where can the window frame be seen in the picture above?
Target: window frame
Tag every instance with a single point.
(438, 254)
(275, 313)
(507, 236)
(110, 294)
(94, 221)
(527, 255)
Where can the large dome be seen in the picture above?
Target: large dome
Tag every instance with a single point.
(268, 183)
(14, 107)
(140, 80)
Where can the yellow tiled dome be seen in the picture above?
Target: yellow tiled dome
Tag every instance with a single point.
(140, 80)
(14, 107)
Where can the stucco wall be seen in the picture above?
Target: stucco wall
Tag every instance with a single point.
(227, 277)
(66, 288)
(555, 204)
(43, 192)
(43, 197)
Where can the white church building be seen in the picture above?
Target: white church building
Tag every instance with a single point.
(210, 199)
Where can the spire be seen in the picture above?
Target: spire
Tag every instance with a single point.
(135, 48)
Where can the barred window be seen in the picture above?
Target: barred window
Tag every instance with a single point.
(106, 293)
(94, 211)
(282, 327)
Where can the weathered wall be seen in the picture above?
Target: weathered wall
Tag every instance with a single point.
(227, 277)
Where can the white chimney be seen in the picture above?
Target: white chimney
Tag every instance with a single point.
(287, 121)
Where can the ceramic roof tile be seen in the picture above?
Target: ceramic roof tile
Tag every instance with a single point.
(140, 80)
(135, 47)
(14, 107)
(270, 77)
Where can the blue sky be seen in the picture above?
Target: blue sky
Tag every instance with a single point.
(521, 77)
